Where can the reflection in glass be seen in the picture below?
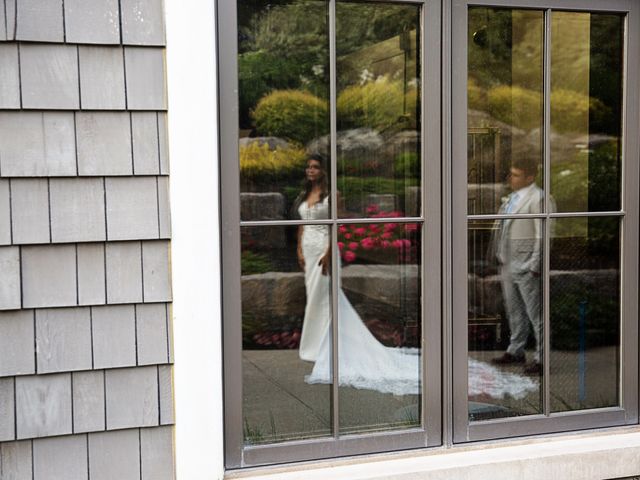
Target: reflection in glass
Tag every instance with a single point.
(278, 403)
(586, 106)
(283, 75)
(378, 107)
(585, 313)
(379, 326)
(505, 100)
(505, 317)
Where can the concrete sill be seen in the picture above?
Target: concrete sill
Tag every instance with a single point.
(601, 455)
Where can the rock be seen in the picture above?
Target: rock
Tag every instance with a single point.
(385, 202)
(262, 206)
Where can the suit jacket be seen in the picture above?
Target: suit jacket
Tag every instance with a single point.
(518, 241)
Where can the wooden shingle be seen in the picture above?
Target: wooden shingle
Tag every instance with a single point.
(151, 327)
(77, 210)
(132, 208)
(155, 271)
(92, 21)
(9, 75)
(7, 411)
(15, 458)
(101, 78)
(5, 213)
(36, 144)
(132, 397)
(142, 22)
(145, 78)
(91, 274)
(156, 446)
(63, 339)
(124, 272)
(49, 75)
(88, 401)
(40, 21)
(104, 143)
(10, 291)
(49, 276)
(43, 405)
(17, 343)
(114, 336)
(144, 126)
(61, 458)
(165, 375)
(30, 210)
(115, 455)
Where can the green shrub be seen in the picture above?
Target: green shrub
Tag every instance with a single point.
(259, 162)
(407, 164)
(379, 105)
(293, 114)
(476, 96)
(254, 263)
(572, 112)
(515, 106)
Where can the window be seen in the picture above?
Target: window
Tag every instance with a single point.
(357, 249)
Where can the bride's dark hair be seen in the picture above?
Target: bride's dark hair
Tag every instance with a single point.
(307, 185)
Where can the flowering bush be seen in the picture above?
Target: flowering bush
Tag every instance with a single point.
(259, 161)
(357, 239)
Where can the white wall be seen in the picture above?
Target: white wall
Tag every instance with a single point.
(193, 147)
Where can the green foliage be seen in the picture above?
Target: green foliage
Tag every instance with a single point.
(515, 106)
(258, 162)
(252, 263)
(379, 105)
(573, 112)
(476, 96)
(293, 114)
(407, 164)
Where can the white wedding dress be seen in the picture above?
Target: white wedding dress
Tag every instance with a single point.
(363, 361)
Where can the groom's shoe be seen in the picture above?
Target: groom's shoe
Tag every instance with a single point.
(534, 368)
(507, 359)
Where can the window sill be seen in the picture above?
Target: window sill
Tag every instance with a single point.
(577, 456)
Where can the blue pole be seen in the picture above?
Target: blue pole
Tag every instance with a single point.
(582, 394)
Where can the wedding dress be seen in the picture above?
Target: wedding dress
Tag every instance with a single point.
(363, 361)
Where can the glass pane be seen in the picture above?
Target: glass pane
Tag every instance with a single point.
(505, 318)
(378, 108)
(504, 102)
(586, 107)
(379, 323)
(285, 318)
(585, 313)
(283, 75)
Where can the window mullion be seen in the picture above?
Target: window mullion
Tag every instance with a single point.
(335, 392)
(546, 230)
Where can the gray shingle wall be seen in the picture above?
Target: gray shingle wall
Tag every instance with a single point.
(85, 285)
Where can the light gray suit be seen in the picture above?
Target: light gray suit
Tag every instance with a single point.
(518, 247)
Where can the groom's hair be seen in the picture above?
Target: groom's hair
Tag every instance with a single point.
(527, 163)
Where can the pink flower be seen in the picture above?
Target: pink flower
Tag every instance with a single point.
(399, 244)
(407, 243)
(340, 245)
(372, 209)
(386, 235)
(367, 243)
(342, 229)
(374, 227)
(360, 231)
(385, 244)
(347, 236)
(390, 226)
(411, 227)
(349, 256)
(353, 246)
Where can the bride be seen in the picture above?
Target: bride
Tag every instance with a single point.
(363, 361)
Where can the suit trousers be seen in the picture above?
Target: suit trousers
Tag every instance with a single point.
(521, 293)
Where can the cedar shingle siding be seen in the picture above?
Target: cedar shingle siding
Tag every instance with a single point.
(85, 286)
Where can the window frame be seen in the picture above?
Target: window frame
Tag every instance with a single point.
(444, 32)
(238, 455)
(627, 413)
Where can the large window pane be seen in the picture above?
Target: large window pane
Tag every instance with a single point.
(286, 316)
(504, 99)
(505, 322)
(585, 313)
(379, 324)
(586, 111)
(378, 107)
(283, 75)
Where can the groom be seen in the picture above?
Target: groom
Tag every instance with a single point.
(517, 249)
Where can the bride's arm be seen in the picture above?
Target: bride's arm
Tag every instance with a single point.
(300, 254)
